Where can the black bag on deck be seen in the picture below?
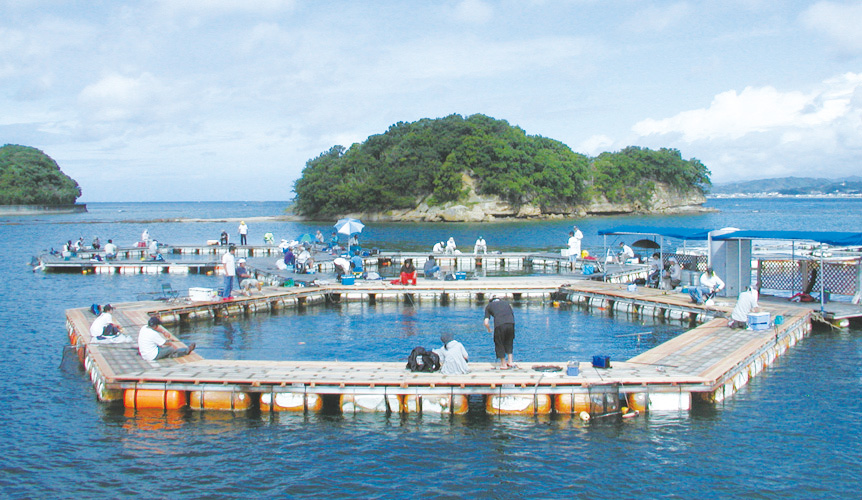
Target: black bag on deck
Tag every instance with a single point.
(421, 360)
(110, 330)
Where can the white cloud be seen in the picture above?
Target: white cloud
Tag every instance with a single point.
(119, 98)
(732, 115)
(212, 89)
(595, 145)
(220, 7)
(473, 11)
(762, 132)
(840, 22)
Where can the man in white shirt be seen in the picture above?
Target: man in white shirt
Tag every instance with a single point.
(110, 250)
(626, 253)
(710, 284)
(243, 233)
(480, 245)
(450, 245)
(575, 238)
(97, 328)
(154, 343)
(745, 304)
(229, 262)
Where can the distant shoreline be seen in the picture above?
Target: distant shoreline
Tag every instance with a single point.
(776, 195)
(42, 209)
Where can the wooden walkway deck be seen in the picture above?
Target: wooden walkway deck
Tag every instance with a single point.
(709, 362)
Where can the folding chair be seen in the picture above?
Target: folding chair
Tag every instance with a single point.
(168, 293)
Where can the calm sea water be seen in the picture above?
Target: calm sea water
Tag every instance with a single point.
(793, 432)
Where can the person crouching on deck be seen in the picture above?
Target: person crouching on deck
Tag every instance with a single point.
(154, 342)
(408, 272)
(745, 304)
(453, 356)
(710, 284)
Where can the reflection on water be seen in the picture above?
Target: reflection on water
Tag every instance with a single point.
(388, 331)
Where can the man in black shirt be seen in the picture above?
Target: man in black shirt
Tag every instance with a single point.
(504, 330)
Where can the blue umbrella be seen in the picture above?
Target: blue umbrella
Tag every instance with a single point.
(305, 238)
(349, 226)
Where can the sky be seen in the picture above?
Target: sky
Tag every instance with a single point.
(223, 100)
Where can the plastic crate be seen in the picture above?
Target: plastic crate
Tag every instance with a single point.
(348, 280)
(601, 361)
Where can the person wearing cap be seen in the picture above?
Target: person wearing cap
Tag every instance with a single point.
(673, 274)
(504, 330)
(304, 261)
(453, 356)
(710, 284)
(575, 237)
(246, 280)
(229, 262)
(243, 233)
(745, 304)
(154, 342)
(104, 325)
(342, 266)
(450, 245)
(480, 245)
(153, 250)
(626, 253)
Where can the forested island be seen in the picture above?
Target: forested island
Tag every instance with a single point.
(480, 168)
(29, 177)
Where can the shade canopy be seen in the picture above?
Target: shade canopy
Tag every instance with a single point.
(681, 233)
(349, 226)
(834, 238)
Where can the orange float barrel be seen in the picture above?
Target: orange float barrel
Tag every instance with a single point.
(517, 404)
(154, 398)
(572, 403)
(289, 401)
(638, 401)
(219, 400)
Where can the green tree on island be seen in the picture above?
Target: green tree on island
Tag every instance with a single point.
(428, 160)
(30, 177)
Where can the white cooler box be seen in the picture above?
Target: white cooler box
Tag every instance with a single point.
(758, 321)
(203, 294)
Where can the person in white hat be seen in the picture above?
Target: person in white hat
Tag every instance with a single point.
(673, 274)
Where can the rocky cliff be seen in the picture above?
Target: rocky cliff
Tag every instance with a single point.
(480, 208)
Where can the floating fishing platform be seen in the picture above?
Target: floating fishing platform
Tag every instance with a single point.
(262, 259)
(707, 363)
